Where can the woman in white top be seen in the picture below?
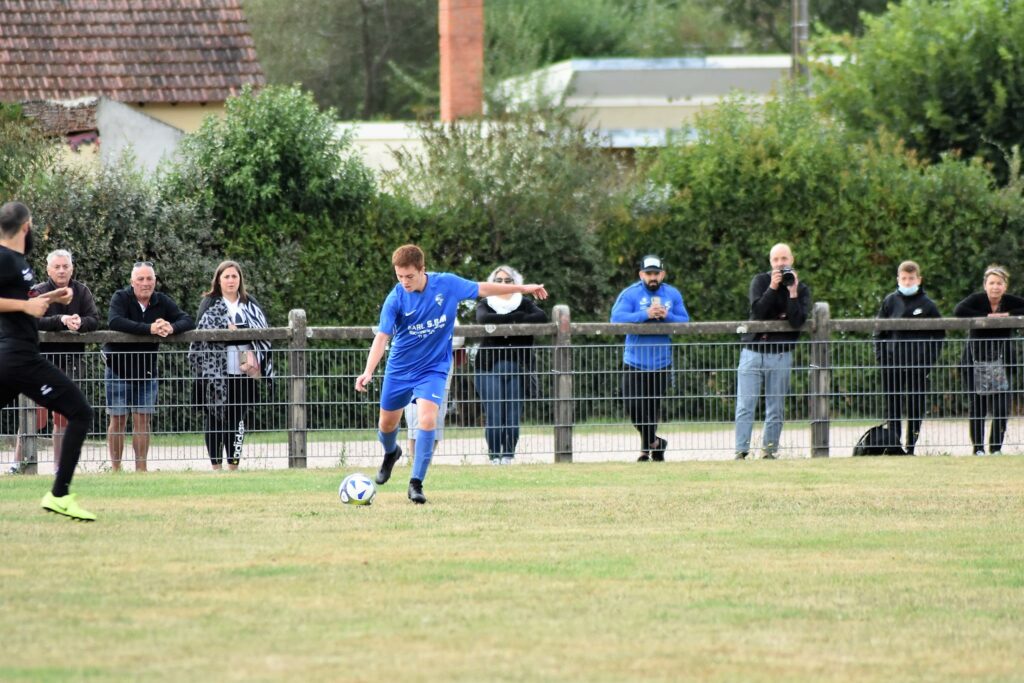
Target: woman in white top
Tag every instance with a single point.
(227, 373)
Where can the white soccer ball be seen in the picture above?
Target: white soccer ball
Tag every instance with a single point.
(357, 489)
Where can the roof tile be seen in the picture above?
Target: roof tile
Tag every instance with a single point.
(127, 50)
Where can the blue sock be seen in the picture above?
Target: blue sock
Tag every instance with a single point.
(424, 452)
(389, 440)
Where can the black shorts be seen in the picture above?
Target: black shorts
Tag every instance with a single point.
(27, 372)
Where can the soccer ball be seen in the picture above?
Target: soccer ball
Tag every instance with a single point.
(357, 489)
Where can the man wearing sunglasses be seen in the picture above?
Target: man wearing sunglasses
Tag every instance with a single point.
(131, 366)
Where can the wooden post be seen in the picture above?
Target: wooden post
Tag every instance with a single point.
(820, 380)
(561, 366)
(27, 435)
(297, 388)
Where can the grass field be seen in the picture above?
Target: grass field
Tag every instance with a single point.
(873, 569)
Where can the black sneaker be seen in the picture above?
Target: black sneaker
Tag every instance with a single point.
(389, 464)
(644, 456)
(658, 454)
(742, 455)
(416, 492)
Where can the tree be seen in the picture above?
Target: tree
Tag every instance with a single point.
(283, 190)
(754, 175)
(368, 59)
(529, 191)
(768, 23)
(943, 76)
(25, 152)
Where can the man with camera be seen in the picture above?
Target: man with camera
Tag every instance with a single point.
(767, 357)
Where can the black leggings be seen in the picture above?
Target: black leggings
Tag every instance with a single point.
(226, 424)
(642, 391)
(996, 405)
(27, 372)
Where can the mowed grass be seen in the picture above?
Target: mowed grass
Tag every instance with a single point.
(867, 569)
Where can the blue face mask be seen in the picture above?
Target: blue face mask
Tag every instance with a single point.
(908, 291)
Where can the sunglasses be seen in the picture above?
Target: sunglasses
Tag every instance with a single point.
(504, 280)
(139, 264)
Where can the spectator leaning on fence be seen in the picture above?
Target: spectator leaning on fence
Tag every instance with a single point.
(23, 370)
(906, 357)
(647, 358)
(79, 315)
(131, 374)
(420, 314)
(505, 365)
(767, 357)
(227, 374)
(989, 359)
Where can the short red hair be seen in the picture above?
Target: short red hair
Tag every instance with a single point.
(408, 255)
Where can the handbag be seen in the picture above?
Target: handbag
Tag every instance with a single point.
(990, 377)
(250, 365)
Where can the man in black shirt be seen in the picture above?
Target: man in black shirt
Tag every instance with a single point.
(23, 370)
(767, 357)
(131, 375)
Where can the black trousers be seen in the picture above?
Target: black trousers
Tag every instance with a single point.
(27, 372)
(642, 391)
(996, 406)
(906, 392)
(226, 424)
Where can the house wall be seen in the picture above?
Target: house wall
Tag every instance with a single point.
(186, 117)
(123, 127)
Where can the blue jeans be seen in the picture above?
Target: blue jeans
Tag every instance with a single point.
(501, 389)
(771, 370)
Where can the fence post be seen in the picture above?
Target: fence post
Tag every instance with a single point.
(27, 435)
(561, 366)
(297, 388)
(820, 380)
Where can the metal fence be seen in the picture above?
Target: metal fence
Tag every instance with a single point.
(572, 408)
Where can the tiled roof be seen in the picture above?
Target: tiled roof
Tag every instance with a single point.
(127, 50)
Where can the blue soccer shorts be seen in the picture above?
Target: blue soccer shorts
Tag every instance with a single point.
(397, 393)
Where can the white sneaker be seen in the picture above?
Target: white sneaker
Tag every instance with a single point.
(506, 460)
(495, 461)
(979, 452)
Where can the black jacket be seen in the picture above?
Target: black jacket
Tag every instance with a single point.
(989, 344)
(82, 304)
(908, 348)
(137, 360)
(516, 349)
(769, 304)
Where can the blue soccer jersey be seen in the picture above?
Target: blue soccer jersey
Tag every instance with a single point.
(422, 324)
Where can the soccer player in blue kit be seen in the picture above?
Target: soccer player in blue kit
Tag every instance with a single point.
(420, 314)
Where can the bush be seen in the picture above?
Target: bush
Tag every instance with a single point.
(110, 218)
(942, 76)
(288, 200)
(529, 191)
(756, 175)
(25, 152)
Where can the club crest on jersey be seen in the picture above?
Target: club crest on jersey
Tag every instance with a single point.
(27, 275)
(439, 299)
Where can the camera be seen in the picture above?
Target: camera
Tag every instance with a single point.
(788, 278)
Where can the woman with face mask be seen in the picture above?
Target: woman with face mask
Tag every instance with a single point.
(989, 358)
(505, 365)
(906, 357)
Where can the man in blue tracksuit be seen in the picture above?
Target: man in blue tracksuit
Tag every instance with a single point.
(420, 314)
(647, 358)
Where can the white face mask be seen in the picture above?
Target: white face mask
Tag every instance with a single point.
(908, 291)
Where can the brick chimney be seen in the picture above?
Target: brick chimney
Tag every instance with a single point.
(461, 27)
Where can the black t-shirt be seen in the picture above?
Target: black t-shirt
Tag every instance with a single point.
(18, 331)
